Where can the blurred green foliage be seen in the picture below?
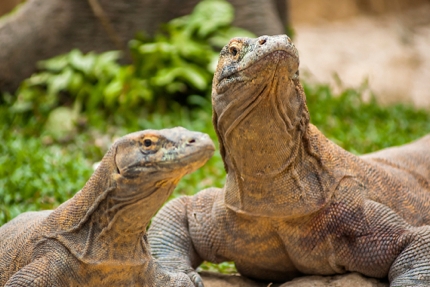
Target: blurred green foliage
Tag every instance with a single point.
(181, 59)
(178, 62)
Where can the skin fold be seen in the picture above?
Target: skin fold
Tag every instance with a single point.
(294, 202)
(98, 237)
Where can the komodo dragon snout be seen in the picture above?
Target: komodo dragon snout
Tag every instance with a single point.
(98, 237)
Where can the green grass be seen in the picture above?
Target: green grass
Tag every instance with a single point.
(34, 176)
(362, 127)
(39, 171)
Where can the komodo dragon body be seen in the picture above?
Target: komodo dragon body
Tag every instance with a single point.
(294, 202)
(97, 238)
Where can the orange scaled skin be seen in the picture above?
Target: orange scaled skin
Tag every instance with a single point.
(294, 202)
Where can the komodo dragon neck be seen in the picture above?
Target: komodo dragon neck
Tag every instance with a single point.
(106, 220)
(272, 155)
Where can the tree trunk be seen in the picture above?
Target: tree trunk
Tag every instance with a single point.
(7, 5)
(42, 29)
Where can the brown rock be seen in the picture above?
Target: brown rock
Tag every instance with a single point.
(347, 280)
(212, 279)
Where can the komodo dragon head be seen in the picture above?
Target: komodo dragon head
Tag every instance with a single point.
(262, 122)
(255, 78)
(133, 180)
(151, 159)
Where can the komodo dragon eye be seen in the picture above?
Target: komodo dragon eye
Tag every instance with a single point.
(233, 51)
(150, 142)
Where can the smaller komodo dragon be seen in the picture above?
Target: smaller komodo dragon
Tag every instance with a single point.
(294, 202)
(97, 238)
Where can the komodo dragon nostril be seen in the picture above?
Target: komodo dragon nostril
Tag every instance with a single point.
(262, 41)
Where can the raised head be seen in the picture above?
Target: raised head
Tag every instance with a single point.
(147, 167)
(258, 103)
(262, 123)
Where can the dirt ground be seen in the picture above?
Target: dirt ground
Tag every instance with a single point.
(391, 51)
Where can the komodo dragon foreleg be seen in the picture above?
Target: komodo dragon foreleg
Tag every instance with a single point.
(170, 238)
(42, 272)
(374, 240)
(411, 267)
(48, 267)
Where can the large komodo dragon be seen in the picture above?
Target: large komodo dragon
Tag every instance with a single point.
(97, 238)
(294, 202)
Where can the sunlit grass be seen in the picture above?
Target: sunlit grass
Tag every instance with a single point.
(38, 173)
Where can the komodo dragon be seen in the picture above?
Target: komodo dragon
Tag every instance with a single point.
(294, 202)
(97, 238)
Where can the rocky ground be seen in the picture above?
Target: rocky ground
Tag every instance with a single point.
(347, 280)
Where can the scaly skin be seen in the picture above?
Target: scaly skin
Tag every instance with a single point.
(97, 238)
(294, 202)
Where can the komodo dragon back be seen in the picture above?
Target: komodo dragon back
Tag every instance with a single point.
(294, 202)
(97, 238)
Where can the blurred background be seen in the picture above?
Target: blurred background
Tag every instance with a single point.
(382, 42)
(386, 43)
(75, 75)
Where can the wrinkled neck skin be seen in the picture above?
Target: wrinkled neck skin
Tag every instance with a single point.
(106, 220)
(273, 167)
